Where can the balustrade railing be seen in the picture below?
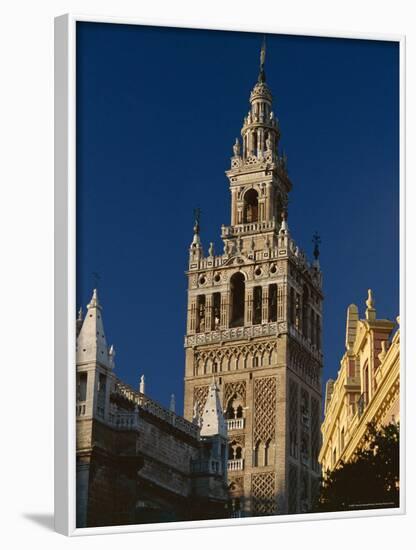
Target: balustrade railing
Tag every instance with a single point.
(125, 420)
(235, 423)
(247, 228)
(152, 407)
(236, 464)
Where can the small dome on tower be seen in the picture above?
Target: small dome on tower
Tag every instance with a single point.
(261, 91)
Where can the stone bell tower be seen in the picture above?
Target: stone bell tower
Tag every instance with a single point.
(254, 323)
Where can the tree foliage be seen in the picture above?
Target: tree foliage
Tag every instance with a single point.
(370, 479)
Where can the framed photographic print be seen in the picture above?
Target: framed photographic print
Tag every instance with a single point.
(229, 299)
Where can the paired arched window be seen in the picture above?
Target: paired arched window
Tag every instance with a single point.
(235, 407)
(237, 288)
(257, 305)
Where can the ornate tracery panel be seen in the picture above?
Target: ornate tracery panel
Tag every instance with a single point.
(200, 396)
(235, 388)
(263, 490)
(293, 418)
(265, 409)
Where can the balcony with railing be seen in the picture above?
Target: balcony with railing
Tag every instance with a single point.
(235, 464)
(125, 420)
(235, 423)
(247, 228)
(206, 467)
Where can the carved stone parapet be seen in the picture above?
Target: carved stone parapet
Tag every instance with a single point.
(237, 333)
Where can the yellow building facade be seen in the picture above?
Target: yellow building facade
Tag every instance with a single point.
(367, 388)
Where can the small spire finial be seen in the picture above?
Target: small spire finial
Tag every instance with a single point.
(262, 74)
(370, 301)
(142, 385)
(111, 356)
(96, 277)
(197, 216)
(172, 404)
(94, 300)
(370, 312)
(80, 314)
(316, 239)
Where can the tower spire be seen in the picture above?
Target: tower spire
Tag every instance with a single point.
(213, 422)
(316, 239)
(195, 250)
(262, 73)
(91, 341)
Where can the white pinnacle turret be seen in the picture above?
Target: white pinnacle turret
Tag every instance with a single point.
(213, 422)
(172, 404)
(370, 312)
(284, 228)
(91, 341)
(142, 384)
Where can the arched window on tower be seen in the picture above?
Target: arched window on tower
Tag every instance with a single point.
(254, 137)
(251, 206)
(216, 311)
(237, 291)
(200, 314)
(272, 303)
(267, 453)
(257, 304)
(256, 454)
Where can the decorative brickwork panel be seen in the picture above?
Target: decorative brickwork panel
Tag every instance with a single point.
(315, 433)
(235, 388)
(265, 409)
(263, 491)
(293, 418)
(200, 396)
(293, 489)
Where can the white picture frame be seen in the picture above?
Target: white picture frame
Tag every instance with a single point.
(65, 306)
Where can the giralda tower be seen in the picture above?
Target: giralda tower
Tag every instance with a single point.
(254, 323)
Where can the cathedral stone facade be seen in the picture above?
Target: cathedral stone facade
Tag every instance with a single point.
(254, 323)
(136, 461)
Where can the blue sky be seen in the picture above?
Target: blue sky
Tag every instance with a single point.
(158, 110)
